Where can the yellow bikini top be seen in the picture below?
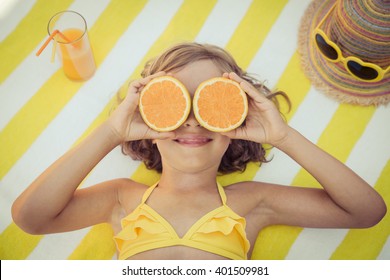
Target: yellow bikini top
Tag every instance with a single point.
(220, 231)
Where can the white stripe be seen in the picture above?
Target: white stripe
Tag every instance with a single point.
(222, 22)
(280, 44)
(57, 246)
(371, 153)
(310, 122)
(385, 253)
(316, 244)
(11, 14)
(270, 65)
(77, 115)
(311, 245)
(37, 70)
(368, 158)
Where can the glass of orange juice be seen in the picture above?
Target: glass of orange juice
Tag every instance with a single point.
(73, 46)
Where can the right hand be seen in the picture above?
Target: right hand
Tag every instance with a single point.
(126, 121)
(264, 123)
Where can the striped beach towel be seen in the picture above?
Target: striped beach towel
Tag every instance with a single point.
(43, 114)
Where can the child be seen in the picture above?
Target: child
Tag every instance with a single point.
(187, 214)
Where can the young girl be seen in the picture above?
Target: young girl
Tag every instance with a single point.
(187, 214)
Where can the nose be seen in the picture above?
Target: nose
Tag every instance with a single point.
(191, 121)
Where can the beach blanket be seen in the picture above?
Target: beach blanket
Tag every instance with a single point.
(43, 114)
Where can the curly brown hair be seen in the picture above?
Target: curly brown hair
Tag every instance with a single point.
(239, 152)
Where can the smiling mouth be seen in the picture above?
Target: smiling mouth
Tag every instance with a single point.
(195, 141)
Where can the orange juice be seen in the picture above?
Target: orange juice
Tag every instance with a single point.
(77, 58)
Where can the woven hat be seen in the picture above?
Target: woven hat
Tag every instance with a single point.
(361, 31)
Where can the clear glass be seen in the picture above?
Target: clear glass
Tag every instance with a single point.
(73, 46)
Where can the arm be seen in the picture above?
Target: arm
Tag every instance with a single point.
(346, 200)
(52, 203)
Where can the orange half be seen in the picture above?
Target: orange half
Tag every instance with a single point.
(164, 104)
(220, 104)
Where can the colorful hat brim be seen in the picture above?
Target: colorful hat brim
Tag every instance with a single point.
(332, 78)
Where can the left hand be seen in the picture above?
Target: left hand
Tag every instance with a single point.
(264, 123)
(126, 121)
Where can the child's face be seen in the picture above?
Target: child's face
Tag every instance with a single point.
(194, 148)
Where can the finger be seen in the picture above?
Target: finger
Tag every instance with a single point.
(235, 133)
(231, 134)
(253, 93)
(155, 75)
(234, 76)
(137, 85)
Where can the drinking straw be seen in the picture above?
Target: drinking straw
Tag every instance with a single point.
(55, 32)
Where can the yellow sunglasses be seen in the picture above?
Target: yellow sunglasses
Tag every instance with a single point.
(364, 71)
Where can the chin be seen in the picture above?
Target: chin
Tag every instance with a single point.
(192, 166)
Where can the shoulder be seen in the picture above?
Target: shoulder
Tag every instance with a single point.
(129, 196)
(245, 196)
(253, 196)
(123, 189)
(129, 193)
(250, 189)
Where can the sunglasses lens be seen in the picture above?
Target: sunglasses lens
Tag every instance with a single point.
(365, 73)
(325, 48)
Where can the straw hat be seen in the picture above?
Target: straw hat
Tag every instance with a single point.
(336, 38)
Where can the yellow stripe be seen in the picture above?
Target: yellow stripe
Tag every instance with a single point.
(42, 108)
(247, 175)
(351, 122)
(112, 23)
(89, 250)
(295, 84)
(15, 244)
(346, 127)
(184, 26)
(253, 29)
(22, 132)
(366, 244)
(27, 35)
(274, 242)
(145, 176)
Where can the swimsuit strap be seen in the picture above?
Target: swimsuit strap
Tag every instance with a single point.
(149, 191)
(222, 193)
